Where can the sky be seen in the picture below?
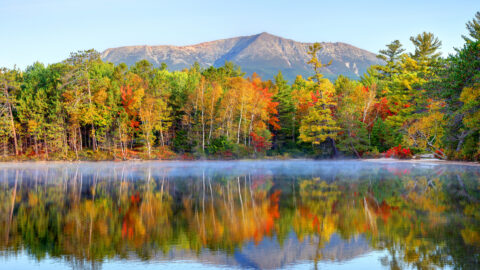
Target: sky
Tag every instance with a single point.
(48, 30)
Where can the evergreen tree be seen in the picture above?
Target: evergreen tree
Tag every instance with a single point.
(9, 80)
(392, 53)
(391, 56)
(319, 124)
(286, 113)
(426, 47)
(473, 28)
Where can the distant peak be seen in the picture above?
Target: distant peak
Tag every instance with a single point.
(265, 34)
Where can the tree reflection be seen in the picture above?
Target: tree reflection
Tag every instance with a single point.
(423, 220)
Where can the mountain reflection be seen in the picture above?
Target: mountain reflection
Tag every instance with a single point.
(245, 214)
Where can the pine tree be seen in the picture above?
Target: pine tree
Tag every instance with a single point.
(473, 28)
(393, 51)
(426, 47)
(391, 55)
(319, 124)
(286, 112)
(8, 83)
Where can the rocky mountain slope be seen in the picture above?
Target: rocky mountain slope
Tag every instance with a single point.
(263, 53)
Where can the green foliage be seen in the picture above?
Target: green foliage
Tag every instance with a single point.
(382, 136)
(392, 53)
(220, 147)
(355, 140)
(181, 143)
(426, 46)
(457, 84)
(473, 28)
(286, 113)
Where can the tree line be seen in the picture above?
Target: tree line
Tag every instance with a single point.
(85, 108)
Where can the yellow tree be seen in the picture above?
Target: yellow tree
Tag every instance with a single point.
(319, 124)
(155, 116)
(233, 108)
(201, 110)
(425, 132)
(212, 98)
(356, 113)
(470, 97)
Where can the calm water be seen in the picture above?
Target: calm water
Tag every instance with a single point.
(240, 214)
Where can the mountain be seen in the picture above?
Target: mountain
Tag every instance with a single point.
(263, 53)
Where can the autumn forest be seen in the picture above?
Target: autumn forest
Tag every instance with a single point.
(83, 108)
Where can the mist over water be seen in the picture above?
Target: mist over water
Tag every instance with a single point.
(184, 169)
(240, 214)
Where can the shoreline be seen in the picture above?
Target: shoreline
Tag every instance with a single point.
(377, 160)
(422, 161)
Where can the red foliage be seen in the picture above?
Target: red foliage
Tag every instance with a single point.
(314, 98)
(399, 152)
(266, 95)
(260, 144)
(383, 109)
(227, 154)
(187, 156)
(127, 100)
(440, 153)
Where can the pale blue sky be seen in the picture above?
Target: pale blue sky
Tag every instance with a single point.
(48, 30)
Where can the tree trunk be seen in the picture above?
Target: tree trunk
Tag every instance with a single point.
(94, 139)
(203, 118)
(80, 142)
(239, 124)
(355, 150)
(334, 147)
(161, 133)
(10, 114)
(36, 145)
(74, 142)
(461, 139)
(149, 147)
(46, 144)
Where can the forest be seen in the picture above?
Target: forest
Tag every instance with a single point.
(83, 108)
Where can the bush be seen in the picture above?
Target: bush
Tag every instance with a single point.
(399, 152)
(372, 154)
(220, 147)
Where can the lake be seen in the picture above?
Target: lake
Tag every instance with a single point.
(296, 214)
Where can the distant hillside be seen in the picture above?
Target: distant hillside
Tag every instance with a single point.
(263, 53)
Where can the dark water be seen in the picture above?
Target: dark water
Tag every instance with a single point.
(241, 214)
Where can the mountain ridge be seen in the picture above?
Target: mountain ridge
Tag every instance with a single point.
(263, 53)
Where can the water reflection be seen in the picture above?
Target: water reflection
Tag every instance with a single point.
(242, 214)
